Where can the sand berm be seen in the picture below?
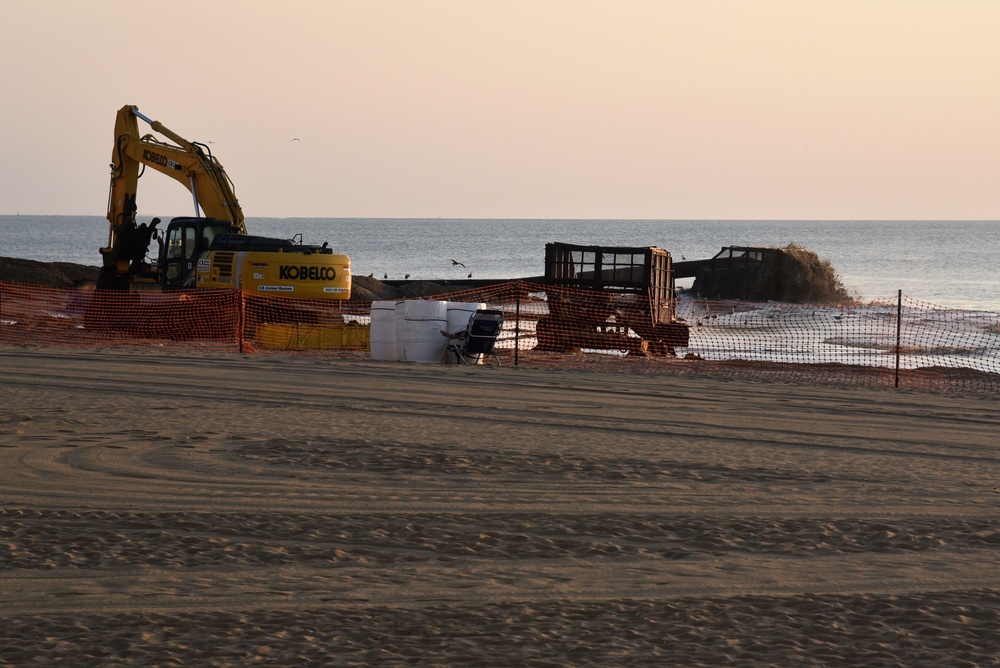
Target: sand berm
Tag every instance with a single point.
(69, 275)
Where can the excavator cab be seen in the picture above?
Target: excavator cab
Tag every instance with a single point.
(184, 242)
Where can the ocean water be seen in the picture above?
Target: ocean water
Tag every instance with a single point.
(946, 263)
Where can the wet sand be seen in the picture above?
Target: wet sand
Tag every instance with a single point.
(224, 510)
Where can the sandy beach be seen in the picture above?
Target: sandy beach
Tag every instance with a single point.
(159, 509)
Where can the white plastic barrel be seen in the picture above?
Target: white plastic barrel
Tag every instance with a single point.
(423, 322)
(458, 319)
(400, 307)
(383, 331)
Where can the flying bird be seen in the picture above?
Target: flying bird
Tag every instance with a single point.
(456, 262)
(296, 139)
(407, 276)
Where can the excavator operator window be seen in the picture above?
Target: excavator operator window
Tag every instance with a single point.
(189, 242)
(207, 235)
(209, 232)
(180, 248)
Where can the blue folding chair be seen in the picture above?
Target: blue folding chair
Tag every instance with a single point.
(478, 338)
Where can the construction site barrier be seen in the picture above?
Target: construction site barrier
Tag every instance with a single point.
(897, 342)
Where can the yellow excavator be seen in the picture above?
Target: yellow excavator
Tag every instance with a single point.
(203, 251)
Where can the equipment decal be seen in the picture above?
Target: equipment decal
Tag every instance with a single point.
(291, 272)
(157, 159)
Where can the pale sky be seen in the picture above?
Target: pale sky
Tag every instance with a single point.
(703, 109)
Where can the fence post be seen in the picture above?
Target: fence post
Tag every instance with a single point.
(241, 317)
(517, 322)
(899, 327)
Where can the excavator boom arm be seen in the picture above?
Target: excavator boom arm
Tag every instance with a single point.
(190, 163)
(200, 173)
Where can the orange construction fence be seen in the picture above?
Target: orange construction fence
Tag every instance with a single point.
(899, 342)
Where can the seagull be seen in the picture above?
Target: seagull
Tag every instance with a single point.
(456, 262)
(296, 139)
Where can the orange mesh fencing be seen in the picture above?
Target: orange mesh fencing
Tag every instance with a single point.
(897, 343)
(202, 319)
(905, 343)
